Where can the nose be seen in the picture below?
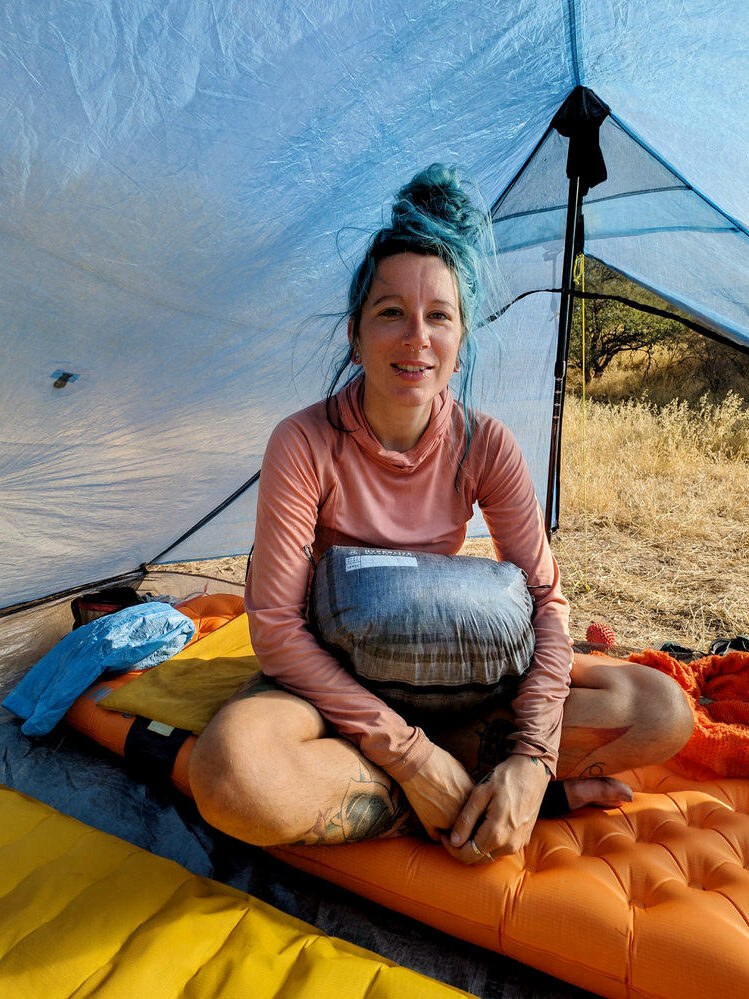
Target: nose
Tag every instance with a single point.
(416, 333)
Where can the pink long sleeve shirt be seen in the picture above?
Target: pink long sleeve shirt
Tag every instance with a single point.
(322, 486)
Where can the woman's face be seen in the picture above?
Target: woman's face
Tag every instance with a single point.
(408, 341)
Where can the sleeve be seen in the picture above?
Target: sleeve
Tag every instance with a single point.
(276, 598)
(508, 502)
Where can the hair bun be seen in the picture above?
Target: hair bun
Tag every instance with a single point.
(436, 195)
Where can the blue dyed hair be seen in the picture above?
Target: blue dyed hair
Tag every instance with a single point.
(433, 215)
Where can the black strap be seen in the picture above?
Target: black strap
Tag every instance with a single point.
(151, 749)
(554, 801)
(681, 653)
(722, 646)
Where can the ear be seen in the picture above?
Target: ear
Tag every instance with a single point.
(457, 364)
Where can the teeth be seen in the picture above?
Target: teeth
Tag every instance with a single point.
(411, 367)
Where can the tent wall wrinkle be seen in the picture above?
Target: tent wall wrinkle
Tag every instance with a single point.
(185, 188)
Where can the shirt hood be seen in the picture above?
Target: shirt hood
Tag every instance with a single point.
(351, 411)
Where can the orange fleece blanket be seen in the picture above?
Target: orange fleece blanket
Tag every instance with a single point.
(718, 691)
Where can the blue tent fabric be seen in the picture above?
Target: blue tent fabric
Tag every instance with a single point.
(134, 638)
(185, 187)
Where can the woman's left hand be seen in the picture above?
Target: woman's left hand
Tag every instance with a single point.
(500, 813)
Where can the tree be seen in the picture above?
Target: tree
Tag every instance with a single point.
(613, 328)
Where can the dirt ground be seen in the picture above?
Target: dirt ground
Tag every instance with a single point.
(648, 595)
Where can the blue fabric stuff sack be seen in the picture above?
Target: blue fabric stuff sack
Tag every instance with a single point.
(428, 633)
(136, 637)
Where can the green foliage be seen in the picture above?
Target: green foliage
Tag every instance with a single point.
(637, 353)
(613, 328)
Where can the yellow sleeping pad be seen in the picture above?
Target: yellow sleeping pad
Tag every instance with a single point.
(83, 913)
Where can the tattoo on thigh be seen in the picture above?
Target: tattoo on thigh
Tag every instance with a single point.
(370, 809)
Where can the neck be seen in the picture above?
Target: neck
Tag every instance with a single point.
(397, 429)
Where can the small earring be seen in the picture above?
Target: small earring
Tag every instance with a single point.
(457, 366)
(356, 357)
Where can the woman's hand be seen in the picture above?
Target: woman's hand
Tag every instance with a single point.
(438, 792)
(500, 814)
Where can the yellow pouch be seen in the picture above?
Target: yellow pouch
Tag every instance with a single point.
(187, 690)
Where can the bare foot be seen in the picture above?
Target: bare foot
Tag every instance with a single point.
(605, 792)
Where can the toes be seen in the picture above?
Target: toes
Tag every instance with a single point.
(605, 792)
(617, 788)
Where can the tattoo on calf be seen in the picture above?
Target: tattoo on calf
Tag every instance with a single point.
(370, 809)
(580, 743)
(594, 770)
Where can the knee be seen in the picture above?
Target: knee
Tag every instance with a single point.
(207, 772)
(680, 713)
(212, 779)
(661, 708)
(232, 786)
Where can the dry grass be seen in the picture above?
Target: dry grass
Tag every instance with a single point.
(655, 534)
(231, 568)
(655, 519)
(689, 368)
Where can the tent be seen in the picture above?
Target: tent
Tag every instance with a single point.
(185, 188)
(185, 192)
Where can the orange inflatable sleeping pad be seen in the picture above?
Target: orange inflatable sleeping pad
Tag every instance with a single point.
(648, 900)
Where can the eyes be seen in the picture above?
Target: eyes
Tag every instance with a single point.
(396, 312)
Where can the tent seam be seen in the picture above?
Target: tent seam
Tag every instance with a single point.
(643, 145)
(591, 201)
(573, 22)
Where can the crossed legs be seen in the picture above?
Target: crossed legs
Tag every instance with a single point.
(267, 771)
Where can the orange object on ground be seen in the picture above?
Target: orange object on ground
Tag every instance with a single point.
(718, 691)
(600, 634)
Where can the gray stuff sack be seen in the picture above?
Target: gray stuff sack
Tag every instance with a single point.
(427, 633)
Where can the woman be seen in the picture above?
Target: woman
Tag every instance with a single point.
(392, 461)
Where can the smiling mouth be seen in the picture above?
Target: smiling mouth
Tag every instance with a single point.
(412, 369)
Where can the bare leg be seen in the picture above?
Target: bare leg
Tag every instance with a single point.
(618, 715)
(621, 716)
(265, 772)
